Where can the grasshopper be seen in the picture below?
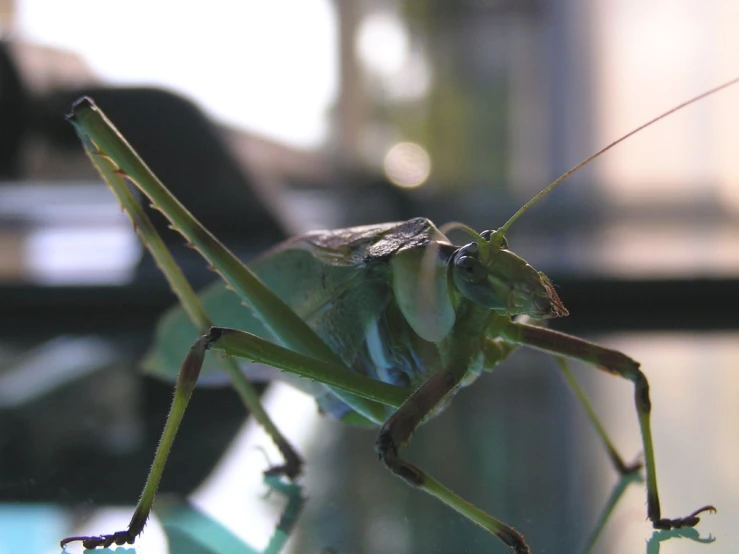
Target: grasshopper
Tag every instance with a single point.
(385, 325)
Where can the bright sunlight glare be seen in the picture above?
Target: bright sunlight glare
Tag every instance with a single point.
(407, 165)
(269, 67)
(382, 43)
(235, 492)
(648, 63)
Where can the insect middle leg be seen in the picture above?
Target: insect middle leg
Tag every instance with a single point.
(397, 432)
(615, 363)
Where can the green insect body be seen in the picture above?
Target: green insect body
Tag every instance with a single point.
(382, 324)
(362, 290)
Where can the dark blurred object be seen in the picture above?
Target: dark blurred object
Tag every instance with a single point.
(49, 452)
(13, 114)
(184, 149)
(29, 73)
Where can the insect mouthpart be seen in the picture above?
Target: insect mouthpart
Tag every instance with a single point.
(495, 278)
(550, 305)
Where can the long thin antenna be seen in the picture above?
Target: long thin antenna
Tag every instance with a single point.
(546, 190)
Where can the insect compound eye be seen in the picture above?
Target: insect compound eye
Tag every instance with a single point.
(487, 235)
(470, 250)
(542, 304)
(470, 269)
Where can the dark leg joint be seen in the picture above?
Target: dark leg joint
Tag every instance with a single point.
(643, 402)
(388, 452)
(623, 469)
(514, 539)
(214, 333)
(190, 370)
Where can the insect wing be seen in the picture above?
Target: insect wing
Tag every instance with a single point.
(337, 281)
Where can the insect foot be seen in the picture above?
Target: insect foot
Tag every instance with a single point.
(119, 538)
(687, 521)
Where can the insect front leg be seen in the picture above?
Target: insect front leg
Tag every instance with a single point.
(496, 349)
(619, 364)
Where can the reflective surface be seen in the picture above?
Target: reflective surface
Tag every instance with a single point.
(516, 444)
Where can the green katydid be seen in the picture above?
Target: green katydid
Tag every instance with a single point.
(386, 323)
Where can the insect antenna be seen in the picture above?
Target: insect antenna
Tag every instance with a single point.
(457, 225)
(477, 237)
(546, 190)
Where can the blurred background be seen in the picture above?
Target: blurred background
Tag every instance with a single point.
(270, 119)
